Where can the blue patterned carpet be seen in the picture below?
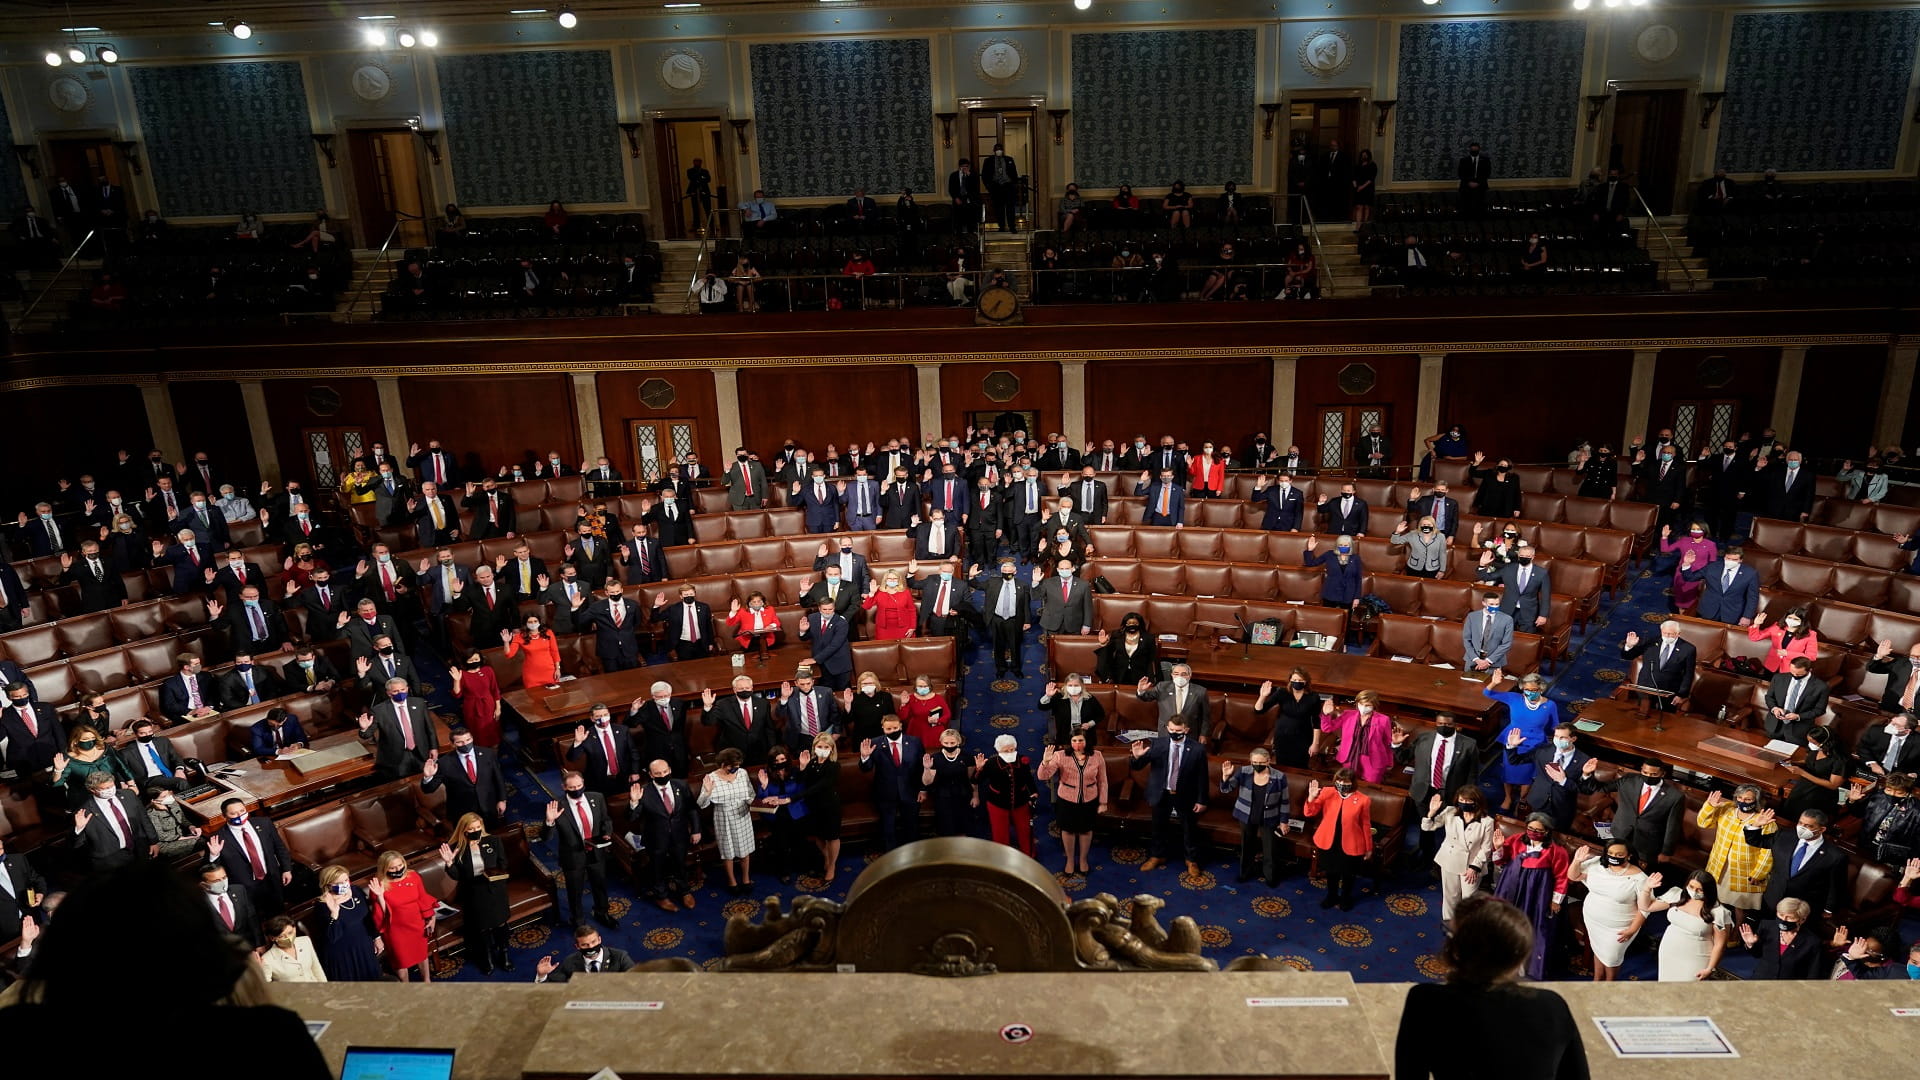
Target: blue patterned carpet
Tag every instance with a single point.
(1393, 937)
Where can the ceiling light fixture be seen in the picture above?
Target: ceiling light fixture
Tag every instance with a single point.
(54, 59)
(238, 28)
(567, 19)
(374, 36)
(1082, 5)
(407, 40)
(429, 39)
(108, 54)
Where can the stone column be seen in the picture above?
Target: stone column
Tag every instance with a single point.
(1073, 402)
(160, 418)
(929, 386)
(726, 401)
(1786, 391)
(253, 396)
(1426, 409)
(1639, 396)
(1280, 423)
(393, 415)
(1896, 395)
(586, 410)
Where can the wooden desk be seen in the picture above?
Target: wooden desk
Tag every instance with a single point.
(688, 678)
(275, 784)
(1627, 732)
(1428, 688)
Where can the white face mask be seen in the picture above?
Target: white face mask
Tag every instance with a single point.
(1009, 756)
(869, 689)
(1180, 681)
(1073, 691)
(1804, 832)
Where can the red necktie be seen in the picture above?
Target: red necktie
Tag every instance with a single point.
(253, 853)
(439, 469)
(1066, 589)
(26, 717)
(401, 714)
(747, 475)
(386, 580)
(472, 776)
(606, 740)
(1440, 763)
(1646, 796)
(646, 560)
(226, 912)
(666, 797)
(325, 601)
(126, 831)
(489, 598)
(586, 820)
(896, 753)
(940, 602)
(813, 722)
(619, 612)
(746, 715)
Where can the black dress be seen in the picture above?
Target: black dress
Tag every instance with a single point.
(863, 716)
(1468, 1032)
(483, 902)
(950, 794)
(1806, 795)
(1600, 477)
(1114, 665)
(821, 783)
(1367, 173)
(1293, 728)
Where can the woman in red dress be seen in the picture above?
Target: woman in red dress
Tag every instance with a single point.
(757, 622)
(477, 689)
(542, 665)
(892, 607)
(926, 714)
(403, 913)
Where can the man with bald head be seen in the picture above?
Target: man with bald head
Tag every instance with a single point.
(668, 821)
(1666, 663)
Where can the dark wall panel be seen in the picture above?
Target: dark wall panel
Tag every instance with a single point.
(1519, 404)
(68, 431)
(693, 399)
(817, 406)
(1319, 385)
(1685, 374)
(1226, 400)
(297, 405)
(212, 418)
(488, 421)
(963, 392)
(1839, 395)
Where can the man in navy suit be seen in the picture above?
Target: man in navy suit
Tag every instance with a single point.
(1284, 504)
(1346, 514)
(615, 621)
(671, 519)
(689, 624)
(937, 538)
(658, 726)
(191, 558)
(1177, 792)
(1089, 495)
(644, 559)
(10, 673)
(862, 500)
(852, 564)
(745, 720)
(189, 693)
(947, 493)
(1730, 590)
(1669, 666)
(667, 818)
(280, 730)
(894, 761)
(208, 525)
(1527, 592)
(255, 857)
(808, 709)
(33, 731)
(1443, 508)
(45, 535)
(1807, 865)
(602, 751)
(13, 604)
(1560, 772)
(831, 637)
(822, 499)
(1166, 501)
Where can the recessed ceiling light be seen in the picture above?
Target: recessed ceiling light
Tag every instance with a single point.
(407, 40)
(429, 38)
(237, 27)
(77, 29)
(567, 18)
(375, 18)
(680, 5)
(77, 54)
(374, 36)
(108, 54)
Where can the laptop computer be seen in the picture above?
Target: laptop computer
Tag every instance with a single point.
(397, 1063)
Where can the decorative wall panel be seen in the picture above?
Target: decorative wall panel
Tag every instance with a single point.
(835, 116)
(1511, 84)
(222, 138)
(524, 128)
(1157, 106)
(1817, 91)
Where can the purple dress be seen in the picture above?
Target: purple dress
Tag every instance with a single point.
(1531, 881)
(1687, 593)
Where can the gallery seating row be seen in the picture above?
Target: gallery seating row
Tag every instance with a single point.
(148, 620)
(1810, 579)
(1841, 512)
(1838, 544)
(1431, 640)
(1854, 627)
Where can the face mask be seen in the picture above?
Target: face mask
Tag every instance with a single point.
(144, 738)
(237, 821)
(576, 793)
(217, 888)
(1180, 681)
(1366, 710)
(1344, 789)
(387, 651)
(869, 689)
(1066, 571)
(1344, 549)
(1532, 695)
(1616, 860)
(385, 558)
(1793, 624)
(1695, 894)
(341, 889)
(1536, 839)
(1426, 528)
(1804, 832)
(473, 834)
(400, 697)
(946, 575)
(126, 528)
(1445, 731)
(1133, 631)
(1746, 807)
(1695, 533)
(922, 691)
(1523, 559)
(1073, 691)
(164, 801)
(87, 744)
(1006, 571)
(1177, 736)
(243, 667)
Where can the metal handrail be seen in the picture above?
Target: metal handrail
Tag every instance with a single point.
(706, 240)
(91, 233)
(380, 260)
(1672, 252)
(1319, 250)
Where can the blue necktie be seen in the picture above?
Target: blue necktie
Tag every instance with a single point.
(154, 756)
(1800, 856)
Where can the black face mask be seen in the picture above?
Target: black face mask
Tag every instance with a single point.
(1297, 686)
(396, 875)
(1445, 731)
(388, 651)
(579, 794)
(473, 834)
(1788, 926)
(1616, 860)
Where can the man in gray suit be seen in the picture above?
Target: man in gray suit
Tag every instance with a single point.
(1487, 636)
(1066, 603)
(1179, 697)
(401, 731)
(1528, 594)
(390, 494)
(1795, 701)
(746, 481)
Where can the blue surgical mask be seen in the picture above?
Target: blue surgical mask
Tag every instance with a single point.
(1344, 549)
(1532, 695)
(1563, 744)
(1913, 971)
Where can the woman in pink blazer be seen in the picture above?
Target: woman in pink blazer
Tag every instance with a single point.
(1344, 837)
(1366, 736)
(1790, 637)
(1079, 796)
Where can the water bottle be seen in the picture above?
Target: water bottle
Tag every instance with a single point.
(1722, 715)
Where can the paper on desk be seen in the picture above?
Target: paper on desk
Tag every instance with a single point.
(292, 752)
(1139, 735)
(1780, 746)
(1447, 667)
(1665, 1037)
(1403, 659)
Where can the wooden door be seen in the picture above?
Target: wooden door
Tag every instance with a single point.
(1704, 423)
(657, 443)
(1340, 425)
(330, 453)
(387, 187)
(1647, 131)
(673, 178)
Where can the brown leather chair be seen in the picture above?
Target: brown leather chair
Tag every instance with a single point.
(325, 837)
(1579, 510)
(1450, 599)
(1112, 540)
(742, 525)
(108, 669)
(1201, 543)
(1881, 552)
(1822, 542)
(1071, 653)
(565, 489)
(1252, 582)
(388, 818)
(85, 634)
(1376, 554)
(1402, 594)
(1210, 579)
(1243, 545)
(1165, 578)
(151, 661)
(1775, 535)
(786, 521)
(1299, 583)
(31, 645)
(1122, 573)
(1155, 542)
(54, 682)
(928, 656)
(1402, 635)
(1892, 520)
(1542, 506)
(1862, 585)
(767, 554)
(1216, 513)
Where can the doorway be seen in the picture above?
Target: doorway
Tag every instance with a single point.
(658, 443)
(81, 161)
(1705, 423)
(389, 186)
(1015, 129)
(679, 142)
(330, 453)
(1316, 122)
(1341, 425)
(1647, 129)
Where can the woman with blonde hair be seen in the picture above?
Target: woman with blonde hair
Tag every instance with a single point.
(893, 607)
(820, 790)
(87, 754)
(866, 703)
(349, 947)
(403, 910)
(477, 863)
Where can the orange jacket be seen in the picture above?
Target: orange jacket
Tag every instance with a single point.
(1356, 821)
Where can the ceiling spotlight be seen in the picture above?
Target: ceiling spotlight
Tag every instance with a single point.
(1582, 5)
(374, 36)
(429, 39)
(54, 59)
(238, 28)
(1613, 3)
(108, 55)
(1639, 3)
(76, 54)
(567, 18)
(407, 40)
(1082, 5)
(1429, 3)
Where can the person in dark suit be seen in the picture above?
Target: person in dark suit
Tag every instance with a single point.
(1785, 946)
(20, 893)
(852, 565)
(492, 508)
(1806, 865)
(1066, 602)
(831, 639)
(744, 720)
(1889, 748)
(279, 730)
(1064, 518)
(324, 601)
(151, 759)
(1560, 773)
(569, 598)
(642, 558)
(490, 607)
(688, 625)
(1345, 514)
(1475, 172)
(1023, 503)
(1648, 811)
(670, 520)
(401, 731)
(667, 817)
(472, 776)
(807, 704)
(985, 527)
(371, 673)
(1177, 792)
(1795, 702)
(938, 537)
(745, 481)
(45, 534)
(204, 520)
(585, 842)
(253, 626)
(96, 575)
(390, 493)
(248, 683)
(1443, 761)
(602, 751)
(190, 559)
(69, 208)
(1669, 666)
(232, 907)
(1527, 589)
(1089, 495)
(1721, 477)
(1008, 610)
(233, 573)
(1486, 636)
(1166, 497)
(944, 607)
(899, 502)
(1371, 451)
(110, 827)
(1444, 509)
(821, 499)
(189, 693)
(616, 622)
(657, 726)
(603, 480)
(1730, 589)
(895, 762)
(963, 193)
(1787, 492)
(434, 464)
(836, 589)
(593, 555)
(14, 606)
(256, 859)
(590, 955)
(1664, 479)
(434, 515)
(1902, 691)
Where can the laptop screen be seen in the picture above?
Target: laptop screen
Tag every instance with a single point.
(396, 1063)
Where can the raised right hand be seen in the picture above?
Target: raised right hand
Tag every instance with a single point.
(553, 811)
(1632, 639)
(866, 748)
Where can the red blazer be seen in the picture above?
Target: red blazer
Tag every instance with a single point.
(894, 615)
(1356, 821)
(1202, 478)
(1807, 645)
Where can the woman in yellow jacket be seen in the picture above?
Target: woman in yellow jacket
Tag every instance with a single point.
(1739, 868)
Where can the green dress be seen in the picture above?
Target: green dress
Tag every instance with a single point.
(75, 776)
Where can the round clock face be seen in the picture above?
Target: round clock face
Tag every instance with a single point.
(998, 303)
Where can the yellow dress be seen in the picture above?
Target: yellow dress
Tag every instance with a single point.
(352, 486)
(1740, 869)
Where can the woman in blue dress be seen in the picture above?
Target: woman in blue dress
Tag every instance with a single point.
(1532, 716)
(343, 920)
